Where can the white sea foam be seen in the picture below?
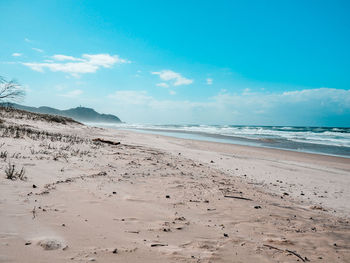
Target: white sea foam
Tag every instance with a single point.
(321, 136)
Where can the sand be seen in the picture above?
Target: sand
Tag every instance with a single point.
(159, 199)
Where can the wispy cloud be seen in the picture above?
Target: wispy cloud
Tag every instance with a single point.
(72, 94)
(38, 50)
(27, 40)
(64, 57)
(303, 107)
(209, 81)
(131, 97)
(75, 66)
(176, 79)
(16, 54)
(171, 92)
(162, 84)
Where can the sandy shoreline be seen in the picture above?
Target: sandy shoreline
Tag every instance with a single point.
(323, 179)
(159, 199)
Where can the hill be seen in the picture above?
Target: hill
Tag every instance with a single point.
(81, 114)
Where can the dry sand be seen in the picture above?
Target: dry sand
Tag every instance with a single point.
(159, 199)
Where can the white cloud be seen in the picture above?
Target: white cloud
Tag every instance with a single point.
(209, 81)
(171, 92)
(76, 66)
(331, 95)
(104, 60)
(300, 107)
(138, 73)
(64, 57)
(27, 40)
(323, 106)
(38, 50)
(72, 94)
(16, 54)
(176, 78)
(143, 99)
(162, 84)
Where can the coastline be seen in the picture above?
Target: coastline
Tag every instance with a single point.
(320, 140)
(153, 198)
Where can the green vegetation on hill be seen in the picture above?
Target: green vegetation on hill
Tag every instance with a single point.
(81, 114)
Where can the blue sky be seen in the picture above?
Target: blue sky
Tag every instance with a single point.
(217, 62)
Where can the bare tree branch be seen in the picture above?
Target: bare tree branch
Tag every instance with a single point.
(11, 90)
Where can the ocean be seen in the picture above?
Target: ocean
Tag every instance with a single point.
(322, 140)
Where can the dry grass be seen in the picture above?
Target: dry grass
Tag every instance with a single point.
(22, 131)
(50, 145)
(9, 112)
(13, 174)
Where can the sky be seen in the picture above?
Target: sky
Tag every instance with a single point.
(183, 62)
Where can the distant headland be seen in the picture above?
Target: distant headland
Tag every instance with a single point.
(81, 114)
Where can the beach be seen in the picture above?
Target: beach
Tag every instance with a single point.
(84, 197)
(316, 178)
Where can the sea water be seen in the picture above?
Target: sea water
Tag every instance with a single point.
(322, 140)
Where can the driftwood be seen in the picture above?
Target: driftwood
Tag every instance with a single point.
(289, 251)
(133, 232)
(158, 245)
(297, 255)
(238, 197)
(272, 247)
(105, 141)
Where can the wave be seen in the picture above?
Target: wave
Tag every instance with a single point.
(285, 136)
